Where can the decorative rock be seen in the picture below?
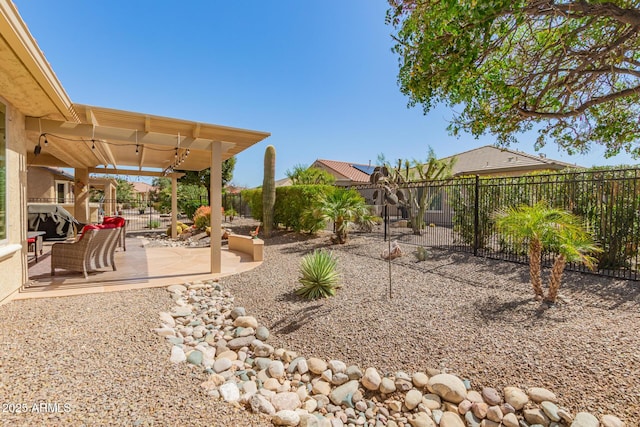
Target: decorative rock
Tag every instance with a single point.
(388, 386)
(276, 369)
(432, 401)
(260, 404)
(262, 333)
(551, 410)
(354, 373)
(584, 419)
(412, 399)
(337, 366)
(238, 343)
(237, 312)
(229, 354)
(474, 397)
(286, 401)
(167, 319)
(177, 289)
(303, 366)
(181, 311)
(464, 406)
(195, 357)
(491, 396)
(286, 418)
(421, 419)
(494, 413)
(510, 420)
(262, 350)
(344, 393)
(472, 420)
(451, 419)
(317, 366)
(448, 386)
(222, 365)
(420, 380)
(177, 355)
(371, 379)
(339, 378)
(321, 387)
(229, 392)
(271, 384)
(480, 409)
(539, 394)
(515, 397)
(536, 416)
(611, 421)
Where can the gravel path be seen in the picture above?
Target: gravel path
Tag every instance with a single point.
(469, 316)
(97, 354)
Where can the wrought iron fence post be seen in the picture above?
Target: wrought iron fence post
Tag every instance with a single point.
(476, 218)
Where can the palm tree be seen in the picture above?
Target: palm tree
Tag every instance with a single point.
(343, 207)
(575, 244)
(547, 228)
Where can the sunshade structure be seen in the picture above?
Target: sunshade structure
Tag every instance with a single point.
(41, 126)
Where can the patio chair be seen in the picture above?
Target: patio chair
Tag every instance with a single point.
(95, 249)
(118, 222)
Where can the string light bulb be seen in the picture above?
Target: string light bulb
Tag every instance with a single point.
(93, 144)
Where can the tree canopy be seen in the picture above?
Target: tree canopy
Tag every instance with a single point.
(569, 69)
(203, 177)
(304, 175)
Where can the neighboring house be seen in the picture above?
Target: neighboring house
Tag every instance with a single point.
(489, 161)
(492, 161)
(49, 185)
(346, 174)
(142, 192)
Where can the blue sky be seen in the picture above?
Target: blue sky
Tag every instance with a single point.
(319, 75)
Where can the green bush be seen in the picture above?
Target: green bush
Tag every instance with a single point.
(293, 201)
(253, 197)
(153, 224)
(291, 204)
(318, 275)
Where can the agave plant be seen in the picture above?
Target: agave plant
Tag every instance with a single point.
(318, 275)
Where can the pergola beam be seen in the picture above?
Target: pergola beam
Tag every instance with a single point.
(113, 171)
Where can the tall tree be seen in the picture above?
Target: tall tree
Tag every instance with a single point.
(568, 68)
(203, 177)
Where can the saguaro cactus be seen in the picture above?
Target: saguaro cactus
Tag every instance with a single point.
(269, 189)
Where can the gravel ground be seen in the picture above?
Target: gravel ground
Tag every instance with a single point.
(97, 354)
(469, 316)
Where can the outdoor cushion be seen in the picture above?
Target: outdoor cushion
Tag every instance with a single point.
(118, 221)
(85, 228)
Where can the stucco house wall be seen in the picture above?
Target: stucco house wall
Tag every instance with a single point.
(13, 255)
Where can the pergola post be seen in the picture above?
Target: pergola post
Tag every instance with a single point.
(174, 206)
(216, 205)
(81, 195)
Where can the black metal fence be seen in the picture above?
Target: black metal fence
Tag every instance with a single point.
(458, 214)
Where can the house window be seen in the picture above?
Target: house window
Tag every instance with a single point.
(3, 172)
(61, 192)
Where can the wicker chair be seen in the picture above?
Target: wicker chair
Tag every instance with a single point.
(94, 250)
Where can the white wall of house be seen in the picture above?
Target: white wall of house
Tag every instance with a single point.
(13, 251)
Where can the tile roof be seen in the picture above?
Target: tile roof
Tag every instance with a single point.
(345, 169)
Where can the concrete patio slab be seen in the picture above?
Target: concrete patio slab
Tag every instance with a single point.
(138, 267)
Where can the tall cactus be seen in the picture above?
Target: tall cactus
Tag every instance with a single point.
(269, 189)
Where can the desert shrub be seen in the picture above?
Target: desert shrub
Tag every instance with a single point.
(318, 275)
(153, 224)
(202, 217)
(293, 201)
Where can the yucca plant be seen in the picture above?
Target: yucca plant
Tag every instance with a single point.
(318, 275)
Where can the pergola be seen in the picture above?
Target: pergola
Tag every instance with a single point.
(102, 140)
